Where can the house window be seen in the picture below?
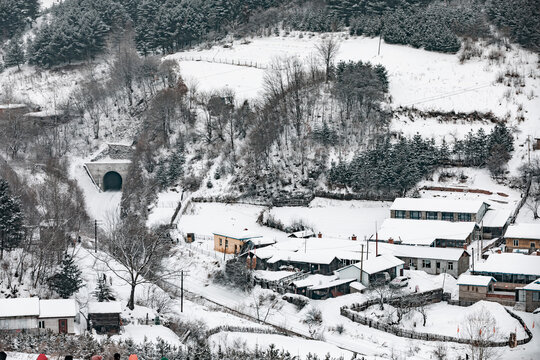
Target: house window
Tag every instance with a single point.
(464, 217)
(220, 242)
(438, 264)
(536, 296)
(41, 324)
(400, 214)
(415, 214)
(516, 242)
(533, 245)
(450, 265)
(426, 263)
(411, 263)
(226, 242)
(431, 215)
(448, 216)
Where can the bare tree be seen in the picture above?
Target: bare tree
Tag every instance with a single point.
(266, 304)
(138, 253)
(481, 329)
(327, 50)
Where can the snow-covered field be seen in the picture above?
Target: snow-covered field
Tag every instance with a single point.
(450, 320)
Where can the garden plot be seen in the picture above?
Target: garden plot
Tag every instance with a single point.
(450, 320)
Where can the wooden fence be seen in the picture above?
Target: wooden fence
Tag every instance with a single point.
(433, 296)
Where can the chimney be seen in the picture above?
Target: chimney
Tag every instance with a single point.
(319, 235)
(353, 237)
(390, 240)
(465, 246)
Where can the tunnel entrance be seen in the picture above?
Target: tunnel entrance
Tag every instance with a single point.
(112, 181)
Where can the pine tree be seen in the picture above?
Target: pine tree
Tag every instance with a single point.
(68, 280)
(10, 219)
(103, 291)
(14, 54)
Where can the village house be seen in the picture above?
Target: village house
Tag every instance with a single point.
(58, 315)
(495, 222)
(104, 317)
(435, 233)
(235, 242)
(322, 286)
(473, 288)
(373, 271)
(438, 209)
(529, 296)
(33, 314)
(19, 314)
(432, 260)
(522, 238)
(311, 262)
(312, 255)
(510, 270)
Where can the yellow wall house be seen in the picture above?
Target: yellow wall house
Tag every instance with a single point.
(232, 242)
(522, 238)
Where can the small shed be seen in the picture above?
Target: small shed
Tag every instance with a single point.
(19, 313)
(104, 317)
(530, 295)
(58, 315)
(372, 271)
(473, 288)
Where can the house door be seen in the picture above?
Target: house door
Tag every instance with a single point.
(438, 266)
(62, 326)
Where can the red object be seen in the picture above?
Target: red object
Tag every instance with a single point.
(96, 357)
(42, 357)
(133, 357)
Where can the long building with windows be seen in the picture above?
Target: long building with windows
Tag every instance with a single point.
(438, 209)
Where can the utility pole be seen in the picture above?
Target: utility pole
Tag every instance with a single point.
(182, 291)
(529, 148)
(367, 246)
(95, 236)
(361, 263)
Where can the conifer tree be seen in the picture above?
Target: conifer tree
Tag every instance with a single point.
(67, 280)
(14, 54)
(103, 291)
(10, 219)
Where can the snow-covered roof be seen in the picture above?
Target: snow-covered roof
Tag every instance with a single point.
(258, 241)
(421, 232)
(357, 286)
(422, 252)
(523, 231)
(272, 275)
(318, 282)
(57, 308)
(111, 307)
(442, 205)
(12, 106)
(19, 307)
(238, 235)
(332, 283)
(534, 286)
(510, 263)
(302, 234)
(379, 263)
(496, 218)
(310, 257)
(474, 280)
(44, 113)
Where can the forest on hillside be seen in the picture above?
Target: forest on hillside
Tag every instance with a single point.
(81, 29)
